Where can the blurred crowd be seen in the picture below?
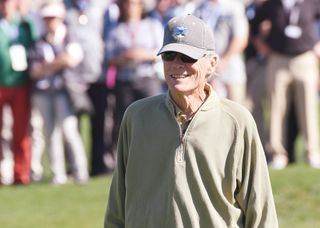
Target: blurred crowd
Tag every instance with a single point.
(61, 60)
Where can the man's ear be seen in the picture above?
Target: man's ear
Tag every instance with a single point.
(214, 59)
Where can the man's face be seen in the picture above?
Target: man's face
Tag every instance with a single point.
(185, 78)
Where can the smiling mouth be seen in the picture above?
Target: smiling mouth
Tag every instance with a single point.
(179, 76)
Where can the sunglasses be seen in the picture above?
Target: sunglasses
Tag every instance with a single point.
(171, 55)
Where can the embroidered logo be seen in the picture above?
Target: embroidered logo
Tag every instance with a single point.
(180, 32)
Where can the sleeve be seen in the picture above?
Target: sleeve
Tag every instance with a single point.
(110, 19)
(261, 14)
(111, 44)
(254, 193)
(240, 25)
(115, 213)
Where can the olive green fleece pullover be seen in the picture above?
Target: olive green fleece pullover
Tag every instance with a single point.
(214, 176)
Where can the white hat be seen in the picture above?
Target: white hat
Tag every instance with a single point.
(54, 9)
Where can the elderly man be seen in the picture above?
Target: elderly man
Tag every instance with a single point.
(189, 158)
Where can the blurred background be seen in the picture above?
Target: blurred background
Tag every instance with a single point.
(69, 69)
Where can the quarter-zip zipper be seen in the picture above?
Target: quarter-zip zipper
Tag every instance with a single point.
(183, 126)
(180, 150)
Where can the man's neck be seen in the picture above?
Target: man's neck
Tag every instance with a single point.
(189, 104)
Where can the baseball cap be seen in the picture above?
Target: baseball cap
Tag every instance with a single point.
(188, 35)
(54, 9)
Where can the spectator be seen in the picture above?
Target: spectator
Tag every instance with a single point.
(256, 62)
(292, 74)
(49, 57)
(16, 36)
(228, 20)
(189, 158)
(26, 14)
(84, 21)
(131, 48)
(111, 17)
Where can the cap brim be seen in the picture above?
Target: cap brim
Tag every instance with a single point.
(193, 52)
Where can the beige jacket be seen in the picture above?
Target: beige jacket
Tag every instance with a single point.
(214, 176)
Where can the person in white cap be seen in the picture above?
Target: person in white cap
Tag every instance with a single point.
(189, 158)
(49, 58)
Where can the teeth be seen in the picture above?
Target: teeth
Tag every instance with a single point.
(178, 76)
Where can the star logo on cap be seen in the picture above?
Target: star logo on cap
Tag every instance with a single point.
(180, 32)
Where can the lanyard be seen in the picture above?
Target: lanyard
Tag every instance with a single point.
(288, 4)
(292, 30)
(294, 11)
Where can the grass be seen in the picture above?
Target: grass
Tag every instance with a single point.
(296, 191)
(43, 205)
